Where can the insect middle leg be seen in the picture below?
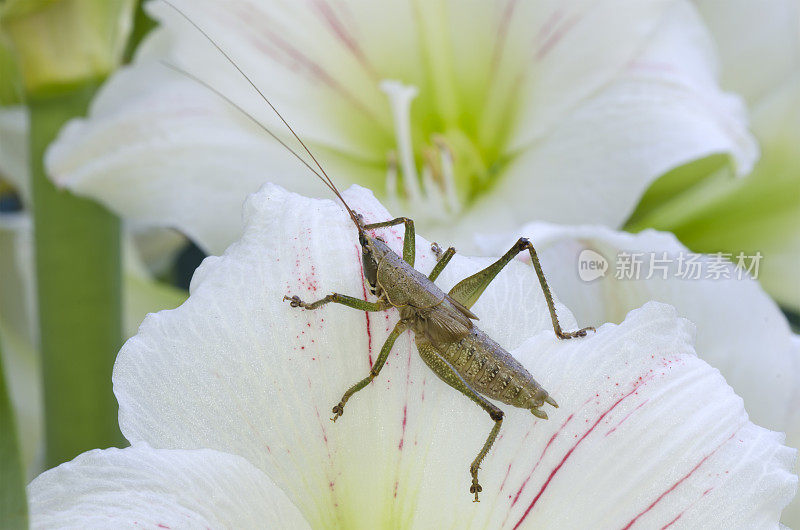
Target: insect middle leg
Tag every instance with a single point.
(468, 290)
(450, 375)
(338, 410)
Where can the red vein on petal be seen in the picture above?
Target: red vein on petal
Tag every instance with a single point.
(628, 415)
(502, 34)
(541, 456)
(341, 32)
(556, 469)
(366, 313)
(508, 472)
(300, 59)
(678, 483)
(550, 43)
(405, 404)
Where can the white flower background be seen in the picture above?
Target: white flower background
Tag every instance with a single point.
(548, 120)
(646, 433)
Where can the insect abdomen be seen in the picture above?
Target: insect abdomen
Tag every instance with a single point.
(492, 371)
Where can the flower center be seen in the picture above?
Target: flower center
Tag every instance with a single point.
(434, 179)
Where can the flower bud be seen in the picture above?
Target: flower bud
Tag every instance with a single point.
(65, 42)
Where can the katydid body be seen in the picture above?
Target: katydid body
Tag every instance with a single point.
(447, 339)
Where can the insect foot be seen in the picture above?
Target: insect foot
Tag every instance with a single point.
(338, 410)
(475, 488)
(437, 250)
(294, 301)
(572, 334)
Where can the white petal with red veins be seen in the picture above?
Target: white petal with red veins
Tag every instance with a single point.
(238, 370)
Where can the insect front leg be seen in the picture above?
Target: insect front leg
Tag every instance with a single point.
(468, 290)
(338, 410)
(409, 238)
(349, 301)
(450, 375)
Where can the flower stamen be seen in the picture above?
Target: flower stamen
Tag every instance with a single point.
(400, 97)
(448, 174)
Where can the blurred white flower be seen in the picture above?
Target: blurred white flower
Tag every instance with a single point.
(759, 48)
(226, 402)
(563, 111)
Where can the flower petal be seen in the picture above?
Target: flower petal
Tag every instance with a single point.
(741, 331)
(647, 435)
(562, 78)
(758, 214)
(662, 111)
(236, 369)
(757, 42)
(762, 212)
(141, 486)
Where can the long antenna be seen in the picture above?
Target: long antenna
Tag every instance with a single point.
(245, 113)
(326, 178)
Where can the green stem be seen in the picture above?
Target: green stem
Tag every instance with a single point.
(78, 287)
(13, 506)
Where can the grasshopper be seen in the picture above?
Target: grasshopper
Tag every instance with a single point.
(449, 342)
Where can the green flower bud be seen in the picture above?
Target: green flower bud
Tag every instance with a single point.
(65, 42)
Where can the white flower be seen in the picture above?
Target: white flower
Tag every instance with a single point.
(226, 400)
(565, 111)
(759, 48)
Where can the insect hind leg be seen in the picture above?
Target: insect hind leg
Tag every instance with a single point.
(497, 416)
(468, 290)
(442, 368)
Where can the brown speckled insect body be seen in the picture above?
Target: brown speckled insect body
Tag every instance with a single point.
(447, 339)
